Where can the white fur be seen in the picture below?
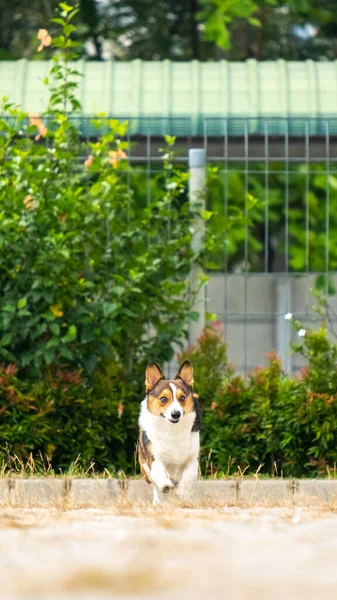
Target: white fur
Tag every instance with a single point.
(175, 404)
(175, 449)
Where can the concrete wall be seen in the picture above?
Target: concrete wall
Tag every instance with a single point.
(252, 308)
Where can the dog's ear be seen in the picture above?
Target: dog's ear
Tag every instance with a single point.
(153, 374)
(186, 373)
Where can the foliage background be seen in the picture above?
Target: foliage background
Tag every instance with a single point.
(227, 194)
(95, 280)
(94, 284)
(269, 422)
(182, 29)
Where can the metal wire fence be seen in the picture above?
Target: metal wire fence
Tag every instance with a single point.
(288, 243)
(283, 175)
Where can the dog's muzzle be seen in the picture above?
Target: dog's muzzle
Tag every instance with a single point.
(175, 416)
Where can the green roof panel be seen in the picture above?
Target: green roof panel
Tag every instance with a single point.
(163, 96)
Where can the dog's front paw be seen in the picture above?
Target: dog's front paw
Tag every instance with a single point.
(166, 489)
(183, 492)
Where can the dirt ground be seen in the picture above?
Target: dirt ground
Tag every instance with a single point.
(232, 553)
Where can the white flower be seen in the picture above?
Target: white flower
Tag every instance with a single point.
(301, 333)
(172, 185)
(165, 156)
(288, 316)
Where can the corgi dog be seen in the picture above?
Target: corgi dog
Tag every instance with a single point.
(169, 425)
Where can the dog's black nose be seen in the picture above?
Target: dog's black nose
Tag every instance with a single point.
(175, 414)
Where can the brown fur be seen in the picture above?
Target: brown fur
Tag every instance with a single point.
(162, 389)
(145, 455)
(158, 387)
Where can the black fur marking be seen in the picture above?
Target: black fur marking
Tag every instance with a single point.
(145, 456)
(197, 410)
(144, 450)
(145, 439)
(166, 489)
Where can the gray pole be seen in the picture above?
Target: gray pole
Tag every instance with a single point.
(283, 327)
(197, 180)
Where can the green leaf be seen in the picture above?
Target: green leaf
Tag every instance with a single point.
(70, 335)
(66, 353)
(68, 29)
(72, 14)
(170, 139)
(325, 283)
(90, 363)
(65, 7)
(59, 21)
(118, 290)
(255, 22)
(22, 303)
(24, 313)
(206, 214)
(55, 328)
(53, 342)
(109, 328)
(48, 316)
(194, 316)
(9, 308)
(49, 295)
(7, 355)
(49, 356)
(26, 358)
(109, 307)
(6, 339)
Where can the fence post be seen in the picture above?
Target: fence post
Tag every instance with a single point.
(197, 179)
(283, 327)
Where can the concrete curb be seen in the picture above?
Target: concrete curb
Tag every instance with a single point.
(70, 493)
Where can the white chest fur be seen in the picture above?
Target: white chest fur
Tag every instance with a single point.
(173, 443)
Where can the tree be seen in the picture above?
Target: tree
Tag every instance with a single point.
(232, 29)
(155, 30)
(183, 29)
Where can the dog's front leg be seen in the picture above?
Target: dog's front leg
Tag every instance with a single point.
(160, 479)
(189, 475)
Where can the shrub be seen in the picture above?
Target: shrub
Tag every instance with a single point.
(94, 284)
(24, 424)
(65, 419)
(94, 280)
(268, 422)
(88, 275)
(209, 359)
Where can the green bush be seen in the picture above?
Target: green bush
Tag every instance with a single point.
(66, 419)
(88, 275)
(94, 276)
(94, 284)
(268, 422)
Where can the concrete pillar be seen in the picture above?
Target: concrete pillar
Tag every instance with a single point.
(197, 181)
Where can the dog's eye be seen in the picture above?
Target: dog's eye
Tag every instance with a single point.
(182, 399)
(163, 400)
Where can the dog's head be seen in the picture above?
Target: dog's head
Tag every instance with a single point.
(171, 399)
